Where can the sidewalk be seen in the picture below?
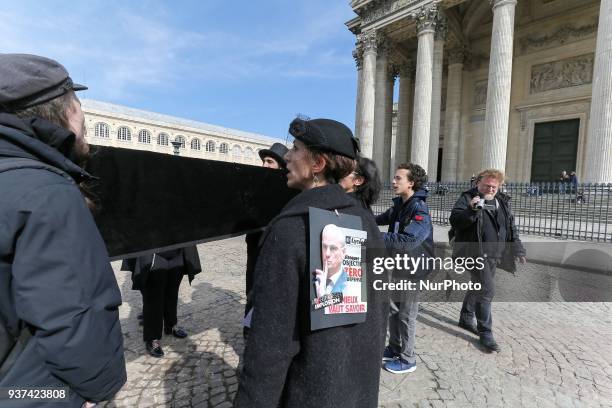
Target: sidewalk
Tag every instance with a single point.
(553, 354)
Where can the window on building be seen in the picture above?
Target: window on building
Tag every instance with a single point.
(180, 139)
(210, 146)
(144, 136)
(124, 134)
(162, 139)
(102, 130)
(195, 144)
(236, 152)
(224, 148)
(248, 153)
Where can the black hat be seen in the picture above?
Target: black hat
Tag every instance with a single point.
(29, 80)
(325, 135)
(277, 151)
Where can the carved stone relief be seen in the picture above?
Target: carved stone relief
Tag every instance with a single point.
(379, 9)
(368, 41)
(426, 18)
(358, 55)
(564, 34)
(564, 73)
(480, 93)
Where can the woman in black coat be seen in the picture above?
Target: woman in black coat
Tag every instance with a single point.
(285, 362)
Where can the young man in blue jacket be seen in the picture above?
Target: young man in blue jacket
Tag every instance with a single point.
(411, 232)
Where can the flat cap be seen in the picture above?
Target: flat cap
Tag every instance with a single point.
(29, 80)
(277, 151)
(325, 135)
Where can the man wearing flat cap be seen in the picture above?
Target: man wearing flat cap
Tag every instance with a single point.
(271, 158)
(59, 322)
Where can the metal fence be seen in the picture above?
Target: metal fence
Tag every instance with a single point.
(561, 210)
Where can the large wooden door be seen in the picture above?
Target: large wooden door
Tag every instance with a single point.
(555, 146)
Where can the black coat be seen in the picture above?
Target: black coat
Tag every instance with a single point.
(284, 362)
(141, 266)
(56, 281)
(467, 227)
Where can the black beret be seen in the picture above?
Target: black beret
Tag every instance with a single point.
(29, 80)
(277, 151)
(325, 135)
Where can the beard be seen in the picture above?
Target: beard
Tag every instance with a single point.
(489, 197)
(80, 152)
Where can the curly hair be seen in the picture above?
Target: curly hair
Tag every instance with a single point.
(416, 174)
(491, 173)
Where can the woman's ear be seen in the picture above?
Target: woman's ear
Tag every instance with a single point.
(359, 180)
(318, 164)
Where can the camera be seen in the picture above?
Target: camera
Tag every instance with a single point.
(480, 204)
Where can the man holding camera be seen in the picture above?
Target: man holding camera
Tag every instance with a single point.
(484, 226)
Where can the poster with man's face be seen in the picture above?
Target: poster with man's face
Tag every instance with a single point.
(338, 281)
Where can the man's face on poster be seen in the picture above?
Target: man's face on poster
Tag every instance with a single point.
(332, 250)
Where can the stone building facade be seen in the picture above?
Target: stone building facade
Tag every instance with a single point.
(520, 85)
(120, 126)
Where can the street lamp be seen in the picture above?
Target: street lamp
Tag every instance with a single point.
(176, 145)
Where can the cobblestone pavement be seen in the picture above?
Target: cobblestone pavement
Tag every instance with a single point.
(553, 354)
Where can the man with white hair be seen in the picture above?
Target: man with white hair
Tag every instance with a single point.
(332, 279)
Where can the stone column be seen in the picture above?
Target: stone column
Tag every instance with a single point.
(426, 24)
(495, 137)
(404, 113)
(366, 122)
(452, 121)
(358, 55)
(436, 98)
(598, 157)
(391, 75)
(380, 110)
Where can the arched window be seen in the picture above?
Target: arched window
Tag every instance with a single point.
(144, 136)
(180, 139)
(248, 154)
(210, 146)
(162, 139)
(195, 144)
(224, 148)
(124, 133)
(101, 130)
(236, 152)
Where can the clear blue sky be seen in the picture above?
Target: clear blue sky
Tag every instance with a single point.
(245, 64)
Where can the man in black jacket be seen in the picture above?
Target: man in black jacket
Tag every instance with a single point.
(58, 295)
(272, 158)
(484, 227)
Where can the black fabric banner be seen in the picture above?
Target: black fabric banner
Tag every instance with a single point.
(151, 201)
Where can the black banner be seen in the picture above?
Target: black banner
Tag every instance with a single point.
(151, 201)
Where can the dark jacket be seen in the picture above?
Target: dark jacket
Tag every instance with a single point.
(467, 227)
(141, 266)
(284, 361)
(56, 281)
(414, 228)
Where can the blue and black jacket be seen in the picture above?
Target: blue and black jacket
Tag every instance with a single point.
(410, 228)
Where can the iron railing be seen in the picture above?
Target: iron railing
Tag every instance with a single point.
(561, 210)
